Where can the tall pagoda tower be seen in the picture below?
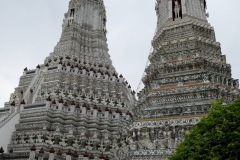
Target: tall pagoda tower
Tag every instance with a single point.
(187, 72)
(74, 104)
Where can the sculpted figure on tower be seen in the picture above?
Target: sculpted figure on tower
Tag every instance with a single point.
(177, 8)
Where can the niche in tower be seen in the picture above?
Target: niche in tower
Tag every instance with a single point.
(72, 12)
(104, 25)
(104, 21)
(71, 16)
(205, 4)
(176, 9)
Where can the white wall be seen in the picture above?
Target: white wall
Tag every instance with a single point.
(7, 130)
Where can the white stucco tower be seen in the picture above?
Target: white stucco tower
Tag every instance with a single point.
(187, 72)
(75, 103)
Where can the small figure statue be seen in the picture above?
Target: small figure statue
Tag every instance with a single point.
(76, 143)
(115, 148)
(162, 143)
(63, 142)
(177, 8)
(102, 147)
(39, 138)
(89, 145)
(132, 144)
(31, 140)
(49, 139)
(145, 142)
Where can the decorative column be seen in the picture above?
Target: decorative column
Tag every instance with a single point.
(25, 71)
(60, 65)
(51, 155)
(101, 157)
(85, 156)
(48, 102)
(106, 112)
(84, 110)
(30, 98)
(22, 105)
(95, 111)
(68, 156)
(75, 155)
(41, 152)
(38, 69)
(32, 153)
(121, 79)
(72, 107)
(60, 104)
(13, 106)
(21, 97)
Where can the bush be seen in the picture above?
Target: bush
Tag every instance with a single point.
(215, 137)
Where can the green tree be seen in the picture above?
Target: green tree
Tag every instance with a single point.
(215, 137)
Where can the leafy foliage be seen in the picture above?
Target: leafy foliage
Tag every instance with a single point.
(215, 137)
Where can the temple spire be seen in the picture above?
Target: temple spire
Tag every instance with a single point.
(84, 33)
(185, 74)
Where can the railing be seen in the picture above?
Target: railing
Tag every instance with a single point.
(34, 85)
(33, 106)
(9, 117)
(160, 152)
(30, 86)
(37, 85)
(3, 116)
(19, 155)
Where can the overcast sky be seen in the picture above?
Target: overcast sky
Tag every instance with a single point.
(29, 30)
